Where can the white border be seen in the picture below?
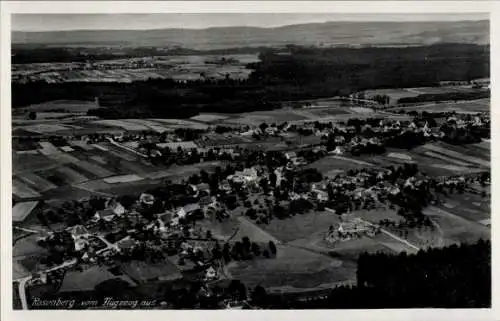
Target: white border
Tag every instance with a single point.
(232, 7)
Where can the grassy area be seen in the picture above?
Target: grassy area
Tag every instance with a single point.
(457, 229)
(301, 225)
(293, 267)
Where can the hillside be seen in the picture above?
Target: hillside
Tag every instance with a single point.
(328, 34)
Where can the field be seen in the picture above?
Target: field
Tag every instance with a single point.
(394, 94)
(22, 190)
(293, 268)
(474, 106)
(331, 165)
(457, 229)
(62, 106)
(165, 67)
(269, 117)
(36, 181)
(209, 118)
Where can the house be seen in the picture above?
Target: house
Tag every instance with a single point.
(106, 214)
(290, 155)
(210, 274)
(147, 199)
(187, 210)
(78, 231)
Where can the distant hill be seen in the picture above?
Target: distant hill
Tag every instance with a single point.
(327, 34)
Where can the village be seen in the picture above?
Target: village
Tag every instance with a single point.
(173, 233)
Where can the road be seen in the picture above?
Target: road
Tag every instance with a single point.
(23, 281)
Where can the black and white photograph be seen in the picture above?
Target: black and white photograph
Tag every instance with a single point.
(250, 161)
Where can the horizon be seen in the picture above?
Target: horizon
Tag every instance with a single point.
(157, 21)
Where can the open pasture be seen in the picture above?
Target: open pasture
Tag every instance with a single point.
(470, 206)
(333, 163)
(293, 268)
(457, 229)
(252, 231)
(301, 226)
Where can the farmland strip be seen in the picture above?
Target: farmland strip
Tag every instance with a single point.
(446, 159)
(22, 190)
(36, 181)
(72, 175)
(458, 155)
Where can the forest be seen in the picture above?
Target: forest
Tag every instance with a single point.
(295, 74)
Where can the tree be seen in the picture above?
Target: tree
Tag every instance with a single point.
(259, 296)
(32, 115)
(272, 247)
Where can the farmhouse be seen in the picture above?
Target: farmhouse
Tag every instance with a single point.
(187, 210)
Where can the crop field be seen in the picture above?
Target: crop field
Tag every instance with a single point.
(470, 106)
(122, 179)
(209, 118)
(258, 117)
(48, 148)
(36, 182)
(179, 123)
(400, 156)
(29, 162)
(72, 176)
(457, 155)
(123, 124)
(441, 90)
(44, 128)
(22, 190)
(63, 158)
(293, 267)
(94, 168)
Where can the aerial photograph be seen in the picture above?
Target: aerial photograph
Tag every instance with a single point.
(250, 161)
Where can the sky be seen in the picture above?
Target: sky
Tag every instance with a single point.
(64, 22)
